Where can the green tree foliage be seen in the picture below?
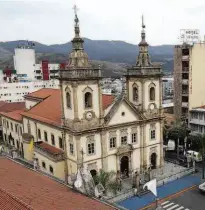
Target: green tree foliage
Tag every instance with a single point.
(108, 180)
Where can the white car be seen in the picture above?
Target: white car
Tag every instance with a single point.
(202, 187)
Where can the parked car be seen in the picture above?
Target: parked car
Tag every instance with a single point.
(202, 187)
(194, 155)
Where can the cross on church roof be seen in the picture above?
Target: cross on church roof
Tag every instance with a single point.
(75, 9)
(143, 25)
(76, 15)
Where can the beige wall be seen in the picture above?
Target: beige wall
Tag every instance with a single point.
(58, 167)
(139, 84)
(43, 127)
(30, 103)
(147, 85)
(95, 95)
(143, 91)
(129, 116)
(197, 75)
(16, 135)
(69, 112)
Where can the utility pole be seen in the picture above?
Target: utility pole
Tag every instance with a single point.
(178, 148)
(203, 166)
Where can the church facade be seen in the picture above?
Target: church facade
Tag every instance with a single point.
(79, 126)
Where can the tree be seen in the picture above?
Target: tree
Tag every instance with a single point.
(108, 180)
(199, 140)
(178, 130)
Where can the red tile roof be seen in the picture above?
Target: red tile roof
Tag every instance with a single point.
(49, 148)
(41, 94)
(107, 100)
(9, 107)
(40, 192)
(15, 115)
(49, 110)
(9, 202)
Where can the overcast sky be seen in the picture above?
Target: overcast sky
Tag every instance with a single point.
(51, 22)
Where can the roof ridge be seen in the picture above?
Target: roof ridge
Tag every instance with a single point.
(16, 199)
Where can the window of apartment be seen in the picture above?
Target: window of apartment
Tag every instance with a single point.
(201, 129)
(51, 169)
(123, 140)
(60, 142)
(52, 139)
(45, 136)
(39, 133)
(200, 116)
(71, 148)
(112, 142)
(195, 115)
(12, 126)
(43, 164)
(7, 124)
(134, 137)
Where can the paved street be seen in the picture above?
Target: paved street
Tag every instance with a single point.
(165, 191)
(192, 200)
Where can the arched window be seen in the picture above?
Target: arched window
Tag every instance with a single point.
(152, 94)
(135, 94)
(51, 169)
(143, 60)
(88, 100)
(43, 164)
(68, 100)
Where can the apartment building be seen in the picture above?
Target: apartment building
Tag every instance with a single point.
(189, 82)
(197, 120)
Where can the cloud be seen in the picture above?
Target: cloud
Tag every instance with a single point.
(51, 22)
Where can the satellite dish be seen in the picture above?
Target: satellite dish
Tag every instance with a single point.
(78, 183)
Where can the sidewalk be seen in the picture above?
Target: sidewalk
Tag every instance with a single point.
(136, 203)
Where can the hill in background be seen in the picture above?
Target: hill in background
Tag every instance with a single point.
(111, 55)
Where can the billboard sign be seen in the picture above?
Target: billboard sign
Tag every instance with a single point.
(189, 36)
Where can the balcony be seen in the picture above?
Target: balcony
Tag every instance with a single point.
(185, 92)
(185, 69)
(49, 151)
(185, 81)
(80, 74)
(185, 104)
(143, 71)
(185, 57)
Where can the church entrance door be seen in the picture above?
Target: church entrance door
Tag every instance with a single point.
(124, 166)
(154, 160)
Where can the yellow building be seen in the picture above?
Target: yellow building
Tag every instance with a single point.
(189, 80)
(78, 125)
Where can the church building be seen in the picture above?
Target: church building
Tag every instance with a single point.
(79, 126)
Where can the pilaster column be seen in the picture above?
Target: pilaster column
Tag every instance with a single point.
(141, 146)
(78, 151)
(161, 143)
(65, 156)
(75, 100)
(101, 111)
(104, 148)
(145, 148)
(143, 95)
